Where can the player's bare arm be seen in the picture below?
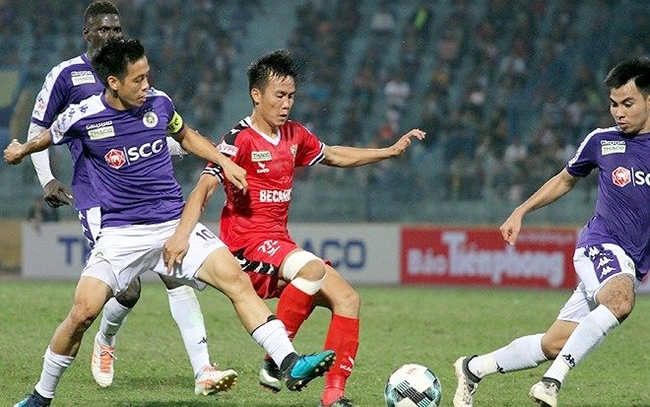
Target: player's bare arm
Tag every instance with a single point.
(15, 151)
(343, 156)
(193, 142)
(551, 191)
(175, 248)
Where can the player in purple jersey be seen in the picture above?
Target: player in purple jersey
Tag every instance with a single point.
(70, 82)
(612, 254)
(123, 132)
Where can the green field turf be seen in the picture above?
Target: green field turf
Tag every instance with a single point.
(430, 326)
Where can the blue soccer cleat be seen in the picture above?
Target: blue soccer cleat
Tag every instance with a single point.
(34, 400)
(308, 367)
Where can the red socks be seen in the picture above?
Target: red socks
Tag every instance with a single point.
(293, 309)
(342, 338)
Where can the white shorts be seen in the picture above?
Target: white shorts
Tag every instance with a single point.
(123, 253)
(91, 221)
(595, 265)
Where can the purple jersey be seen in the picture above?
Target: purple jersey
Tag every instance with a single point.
(622, 214)
(67, 83)
(128, 157)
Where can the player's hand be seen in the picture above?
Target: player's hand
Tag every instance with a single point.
(511, 227)
(174, 250)
(236, 175)
(55, 194)
(13, 154)
(405, 141)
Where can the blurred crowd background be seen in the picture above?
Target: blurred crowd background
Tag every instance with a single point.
(506, 90)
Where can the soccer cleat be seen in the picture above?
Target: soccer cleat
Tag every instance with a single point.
(545, 393)
(102, 363)
(270, 376)
(342, 402)
(466, 386)
(306, 368)
(211, 380)
(34, 400)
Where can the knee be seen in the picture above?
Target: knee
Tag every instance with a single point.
(314, 270)
(622, 308)
(343, 301)
(82, 316)
(551, 346)
(618, 296)
(351, 299)
(131, 295)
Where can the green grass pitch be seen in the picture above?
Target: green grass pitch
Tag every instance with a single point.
(431, 326)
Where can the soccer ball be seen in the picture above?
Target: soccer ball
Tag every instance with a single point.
(413, 385)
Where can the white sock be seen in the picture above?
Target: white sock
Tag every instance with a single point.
(522, 353)
(53, 367)
(186, 311)
(272, 336)
(113, 318)
(589, 333)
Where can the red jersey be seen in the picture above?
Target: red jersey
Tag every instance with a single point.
(270, 163)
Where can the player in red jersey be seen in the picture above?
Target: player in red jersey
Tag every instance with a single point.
(254, 225)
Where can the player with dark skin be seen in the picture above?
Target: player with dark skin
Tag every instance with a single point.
(66, 84)
(141, 202)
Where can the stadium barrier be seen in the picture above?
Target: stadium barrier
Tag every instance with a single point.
(370, 254)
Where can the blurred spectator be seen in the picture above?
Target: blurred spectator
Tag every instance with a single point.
(397, 92)
(383, 23)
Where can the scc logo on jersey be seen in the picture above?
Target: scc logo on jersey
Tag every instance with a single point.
(117, 158)
(622, 176)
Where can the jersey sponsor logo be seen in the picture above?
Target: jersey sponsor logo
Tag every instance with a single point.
(612, 147)
(117, 158)
(145, 150)
(275, 195)
(622, 176)
(82, 77)
(102, 132)
(262, 168)
(98, 131)
(150, 119)
(227, 149)
(175, 124)
(258, 156)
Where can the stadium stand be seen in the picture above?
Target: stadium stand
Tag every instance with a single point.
(506, 89)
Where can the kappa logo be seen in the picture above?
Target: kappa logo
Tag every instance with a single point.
(262, 168)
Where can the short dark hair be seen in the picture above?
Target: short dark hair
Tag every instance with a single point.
(114, 57)
(99, 7)
(278, 63)
(637, 69)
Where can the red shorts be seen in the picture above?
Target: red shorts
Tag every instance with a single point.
(261, 260)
